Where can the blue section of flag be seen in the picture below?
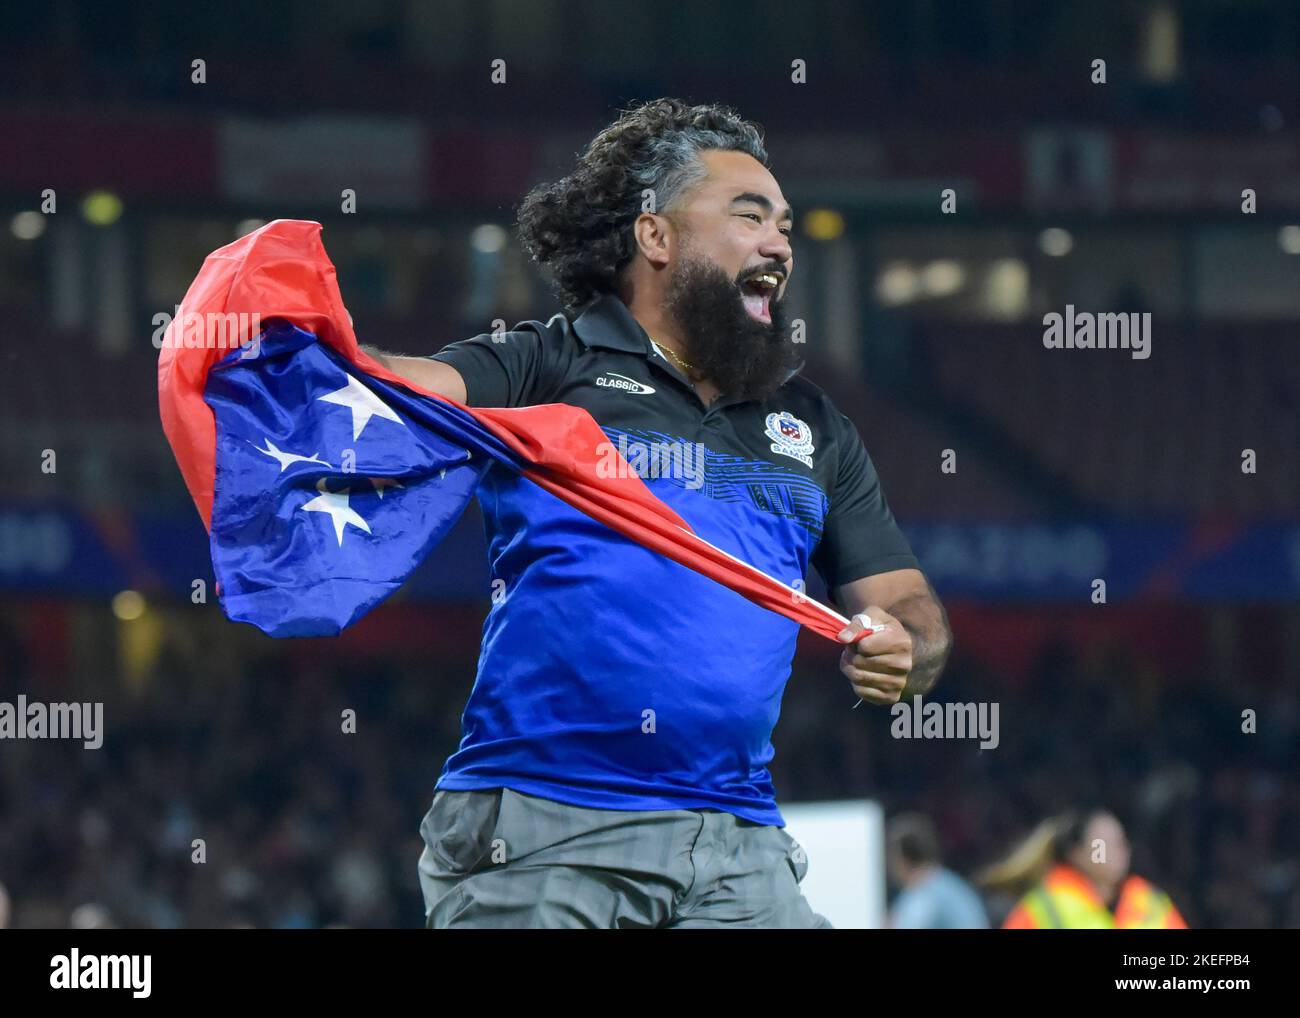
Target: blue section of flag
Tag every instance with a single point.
(331, 485)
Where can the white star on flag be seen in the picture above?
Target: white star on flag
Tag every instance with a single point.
(363, 403)
(286, 458)
(336, 504)
(381, 483)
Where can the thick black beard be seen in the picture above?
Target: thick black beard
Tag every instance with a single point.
(742, 356)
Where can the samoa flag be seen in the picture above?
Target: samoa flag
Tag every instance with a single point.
(324, 479)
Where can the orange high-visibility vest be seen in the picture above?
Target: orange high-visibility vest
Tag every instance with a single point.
(1143, 906)
(1067, 900)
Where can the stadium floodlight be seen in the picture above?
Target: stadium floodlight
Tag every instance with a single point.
(101, 208)
(27, 225)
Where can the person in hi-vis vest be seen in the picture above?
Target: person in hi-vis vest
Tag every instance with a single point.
(1073, 870)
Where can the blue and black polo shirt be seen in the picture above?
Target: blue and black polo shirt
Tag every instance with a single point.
(610, 676)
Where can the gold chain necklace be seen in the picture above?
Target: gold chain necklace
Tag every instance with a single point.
(688, 368)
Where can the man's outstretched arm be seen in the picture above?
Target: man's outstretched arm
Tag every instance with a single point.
(913, 640)
(428, 374)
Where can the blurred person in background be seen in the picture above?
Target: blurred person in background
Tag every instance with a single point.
(1076, 867)
(932, 896)
(91, 916)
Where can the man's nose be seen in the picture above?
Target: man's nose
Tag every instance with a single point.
(776, 247)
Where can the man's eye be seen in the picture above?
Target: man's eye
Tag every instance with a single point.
(786, 231)
(752, 215)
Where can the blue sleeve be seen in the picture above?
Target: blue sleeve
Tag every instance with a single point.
(913, 910)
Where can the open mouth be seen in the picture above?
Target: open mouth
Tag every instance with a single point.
(757, 293)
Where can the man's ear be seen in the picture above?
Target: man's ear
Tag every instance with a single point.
(655, 238)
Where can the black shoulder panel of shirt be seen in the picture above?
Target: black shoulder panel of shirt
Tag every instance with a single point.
(538, 362)
(527, 363)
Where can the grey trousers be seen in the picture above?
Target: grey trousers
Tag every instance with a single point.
(503, 859)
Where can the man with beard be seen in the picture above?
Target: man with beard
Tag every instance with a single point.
(612, 770)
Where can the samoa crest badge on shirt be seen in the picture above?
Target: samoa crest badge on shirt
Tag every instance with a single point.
(790, 436)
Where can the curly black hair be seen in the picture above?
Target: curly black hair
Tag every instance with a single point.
(579, 228)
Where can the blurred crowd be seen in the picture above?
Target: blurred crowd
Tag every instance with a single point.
(226, 800)
(1212, 811)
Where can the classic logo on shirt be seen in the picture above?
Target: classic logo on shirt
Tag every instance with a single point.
(790, 437)
(609, 380)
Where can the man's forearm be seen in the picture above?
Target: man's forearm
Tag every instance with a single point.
(424, 372)
(927, 623)
(383, 358)
(398, 364)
